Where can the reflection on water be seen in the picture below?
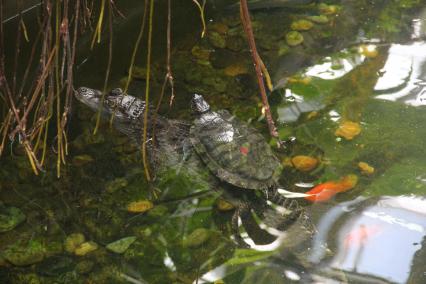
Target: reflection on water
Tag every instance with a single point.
(375, 238)
(380, 238)
(404, 73)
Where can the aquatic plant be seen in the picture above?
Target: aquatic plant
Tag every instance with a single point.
(41, 102)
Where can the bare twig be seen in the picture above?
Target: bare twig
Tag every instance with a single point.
(245, 18)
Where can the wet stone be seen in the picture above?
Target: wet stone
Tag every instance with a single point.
(294, 38)
(328, 9)
(200, 53)
(10, 217)
(217, 40)
(24, 253)
(73, 241)
(86, 248)
(301, 25)
(321, 19)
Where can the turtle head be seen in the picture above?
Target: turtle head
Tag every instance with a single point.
(199, 105)
(117, 103)
(90, 97)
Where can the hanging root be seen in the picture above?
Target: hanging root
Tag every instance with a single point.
(259, 66)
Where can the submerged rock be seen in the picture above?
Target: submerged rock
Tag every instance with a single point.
(294, 38)
(321, 19)
(24, 253)
(85, 248)
(139, 206)
(328, 9)
(301, 25)
(348, 130)
(73, 241)
(10, 217)
(217, 40)
(120, 246)
(304, 163)
(365, 168)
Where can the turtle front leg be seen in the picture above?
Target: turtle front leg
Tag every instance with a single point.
(235, 228)
(290, 205)
(258, 235)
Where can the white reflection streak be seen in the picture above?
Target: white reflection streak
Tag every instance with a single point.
(325, 70)
(402, 72)
(168, 262)
(395, 221)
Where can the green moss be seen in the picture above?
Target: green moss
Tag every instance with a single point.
(10, 217)
(294, 38)
(24, 253)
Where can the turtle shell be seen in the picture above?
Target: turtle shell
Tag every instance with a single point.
(235, 152)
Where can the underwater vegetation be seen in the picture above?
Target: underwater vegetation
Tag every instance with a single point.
(82, 202)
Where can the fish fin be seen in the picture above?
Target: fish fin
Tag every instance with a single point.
(289, 194)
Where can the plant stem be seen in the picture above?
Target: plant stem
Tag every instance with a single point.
(245, 18)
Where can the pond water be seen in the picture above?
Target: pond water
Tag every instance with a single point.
(349, 95)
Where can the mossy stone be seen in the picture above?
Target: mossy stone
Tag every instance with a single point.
(86, 248)
(10, 217)
(301, 25)
(294, 38)
(73, 241)
(24, 253)
(217, 40)
(321, 19)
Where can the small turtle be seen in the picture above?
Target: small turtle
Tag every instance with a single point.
(235, 152)
(238, 155)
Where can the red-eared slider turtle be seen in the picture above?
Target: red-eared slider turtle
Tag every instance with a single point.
(238, 155)
(235, 152)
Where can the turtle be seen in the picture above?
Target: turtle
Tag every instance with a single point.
(238, 155)
(232, 150)
(243, 166)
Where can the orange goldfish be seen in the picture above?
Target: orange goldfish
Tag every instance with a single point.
(325, 191)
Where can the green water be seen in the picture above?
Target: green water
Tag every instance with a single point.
(371, 233)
